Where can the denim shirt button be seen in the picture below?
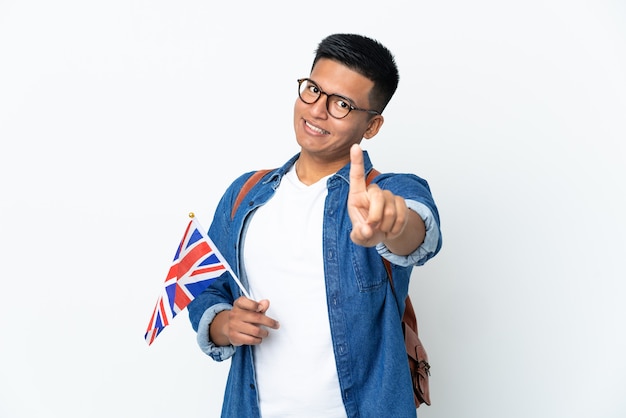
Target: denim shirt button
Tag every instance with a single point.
(330, 255)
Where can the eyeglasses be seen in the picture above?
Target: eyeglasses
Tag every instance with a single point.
(338, 106)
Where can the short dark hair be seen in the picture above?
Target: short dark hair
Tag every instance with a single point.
(366, 56)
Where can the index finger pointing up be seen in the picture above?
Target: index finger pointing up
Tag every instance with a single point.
(357, 170)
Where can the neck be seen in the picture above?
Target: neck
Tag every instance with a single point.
(310, 171)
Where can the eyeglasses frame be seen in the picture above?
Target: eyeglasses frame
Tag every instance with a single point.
(350, 109)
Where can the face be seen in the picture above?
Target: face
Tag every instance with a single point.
(327, 139)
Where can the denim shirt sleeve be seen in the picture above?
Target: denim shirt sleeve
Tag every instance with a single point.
(425, 251)
(217, 353)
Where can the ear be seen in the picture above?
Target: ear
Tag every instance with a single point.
(373, 126)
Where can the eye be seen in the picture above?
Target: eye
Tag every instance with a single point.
(340, 102)
(309, 89)
(343, 104)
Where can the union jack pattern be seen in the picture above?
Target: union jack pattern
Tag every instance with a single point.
(196, 264)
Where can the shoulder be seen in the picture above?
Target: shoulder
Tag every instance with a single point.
(400, 180)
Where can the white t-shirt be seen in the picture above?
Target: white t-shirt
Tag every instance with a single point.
(295, 365)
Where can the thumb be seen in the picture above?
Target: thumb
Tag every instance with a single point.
(263, 306)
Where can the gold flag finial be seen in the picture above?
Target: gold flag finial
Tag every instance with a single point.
(192, 215)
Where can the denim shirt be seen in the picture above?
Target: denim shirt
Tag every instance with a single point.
(364, 313)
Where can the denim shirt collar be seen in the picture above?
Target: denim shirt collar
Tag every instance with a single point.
(343, 173)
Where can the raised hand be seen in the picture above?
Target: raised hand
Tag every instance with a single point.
(378, 215)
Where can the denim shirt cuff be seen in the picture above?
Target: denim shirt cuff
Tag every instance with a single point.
(425, 251)
(204, 341)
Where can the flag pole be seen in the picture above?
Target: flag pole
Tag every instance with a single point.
(232, 273)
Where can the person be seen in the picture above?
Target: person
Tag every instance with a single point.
(320, 335)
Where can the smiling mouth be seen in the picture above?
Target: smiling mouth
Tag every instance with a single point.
(315, 128)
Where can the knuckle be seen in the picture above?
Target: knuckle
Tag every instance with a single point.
(390, 211)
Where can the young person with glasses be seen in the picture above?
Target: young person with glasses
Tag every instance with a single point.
(321, 334)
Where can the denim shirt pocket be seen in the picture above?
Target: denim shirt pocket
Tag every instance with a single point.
(368, 267)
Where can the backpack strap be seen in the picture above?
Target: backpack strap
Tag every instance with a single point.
(409, 317)
(409, 314)
(371, 175)
(252, 180)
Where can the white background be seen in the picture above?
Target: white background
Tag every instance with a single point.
(117, 118)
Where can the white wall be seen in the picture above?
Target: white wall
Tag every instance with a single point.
(117, 118)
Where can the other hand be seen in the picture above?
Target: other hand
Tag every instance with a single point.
(246, 323)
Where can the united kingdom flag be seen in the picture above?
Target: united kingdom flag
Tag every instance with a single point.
(196, 264)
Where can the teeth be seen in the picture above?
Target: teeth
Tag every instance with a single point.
(316, 129)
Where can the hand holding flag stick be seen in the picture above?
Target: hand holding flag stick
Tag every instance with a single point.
(196, 264)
